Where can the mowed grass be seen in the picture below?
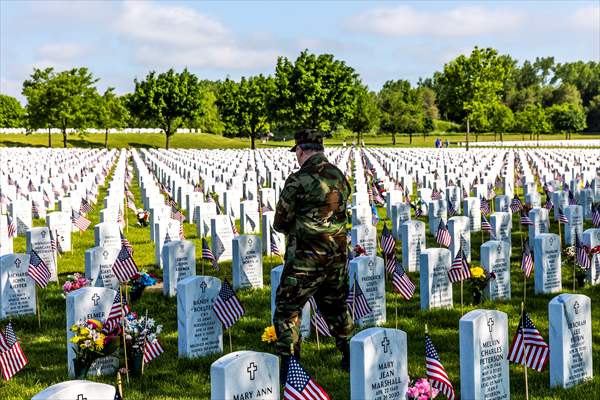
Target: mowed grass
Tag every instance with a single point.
(169, 377)
(209, 141)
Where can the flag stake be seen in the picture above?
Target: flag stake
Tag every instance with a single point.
(317, 332)
(461, 297)
(230, 343)
(144, 345)
(574, 271)
(123, 330)
(37, 306)
(525, 363)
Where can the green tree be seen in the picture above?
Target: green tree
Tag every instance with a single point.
(168, 100)
(467, 81)
(64, 100)
(584, 75)
(366, 113)
(565, 93)
(210, 120)
(567, 118)
(11, 112)
(478, 118)
(111, 113)
(501, 119)
(313, 92)
(244, 106)
(593, 114)
(533, 120)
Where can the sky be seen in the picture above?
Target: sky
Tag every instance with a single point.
(122, 40)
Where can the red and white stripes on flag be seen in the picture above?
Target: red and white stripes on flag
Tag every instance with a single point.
(528, 346)
(227, 306)
(115, 314)
(152, 350)
(274, 243)
(38, 270)
(442, 236)
(318, 320)
(300, 386)
(581, 254)
(459, 271)
(436, 373)
(12, 227)
(527, 260)
(402, 283)
(357, 302)
(124, 266)
(81, 222)
(12, 358)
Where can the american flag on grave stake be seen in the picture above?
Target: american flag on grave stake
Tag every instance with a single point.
(125, 243)
(357, 302)
(85, 207)
(596, 215)
(318, 320)
(562, 217)
(12, 227)
(207, 254)
(402, 283)
(81, 222)
(227, 306)
(435, 371)
(299, 385)
(12, 358)
(527, 259)
(233, 228)
(581, 253)
(484, 205)
(528, 346)
(114, 315)
(38, 270)
(485, 224)
(388, 246)
(442, 235)
(525, 220)
(152, 349)
(274, 240)
(124, 266)
(459, 271)
(516, 204)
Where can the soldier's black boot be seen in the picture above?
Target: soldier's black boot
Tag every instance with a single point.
(346, 358)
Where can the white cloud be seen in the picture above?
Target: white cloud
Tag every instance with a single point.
(181, 36)
(63, 52)
(586, 19)
(459, 21)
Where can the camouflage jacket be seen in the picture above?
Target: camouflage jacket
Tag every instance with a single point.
(311, 210)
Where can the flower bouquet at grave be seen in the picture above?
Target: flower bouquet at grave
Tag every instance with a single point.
(479, 281)
(421, 389)
(269, 336)
(138, 332)
(139, 282)
(91, 342)
(74, 282)
(569, 256)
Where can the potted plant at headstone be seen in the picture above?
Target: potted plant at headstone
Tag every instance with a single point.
(421, 389)
(569, 256)
(139, 331)
(74, 282)
(90, 343)
(139, 282)
(479, 281)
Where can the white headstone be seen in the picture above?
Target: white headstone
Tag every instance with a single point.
(369, 272)
(366, 237)
(547, 264)
(436, 289)
(17, 289)
(179, 262)
(247, 267)
(77, 390)
(591, 239)
(222, 236)
(107, 234)
(413, 242)
(495, 258)
(39, 240)
(98, 266)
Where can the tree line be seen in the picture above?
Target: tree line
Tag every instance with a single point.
(482, 92)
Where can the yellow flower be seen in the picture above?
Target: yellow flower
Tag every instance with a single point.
(269, 335)
(477, 272)
(100, 343)
(84, 331)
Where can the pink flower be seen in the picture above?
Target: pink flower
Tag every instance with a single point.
(423, 397)
(67, 286)
(412, 392)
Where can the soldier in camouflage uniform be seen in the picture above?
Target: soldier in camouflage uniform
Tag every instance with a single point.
(311, 211)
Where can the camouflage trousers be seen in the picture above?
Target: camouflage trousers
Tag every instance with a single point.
(328, 286)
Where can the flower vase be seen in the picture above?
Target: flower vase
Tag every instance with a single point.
(136, 293)
(135, 363)
(476, 297)
(580, 280)
(81, 368)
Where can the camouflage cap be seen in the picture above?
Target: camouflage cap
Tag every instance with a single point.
(306, 136)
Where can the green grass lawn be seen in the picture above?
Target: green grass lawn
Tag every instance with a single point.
(171, 378)
(208, 141)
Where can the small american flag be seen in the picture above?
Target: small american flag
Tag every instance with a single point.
(234, 228)
(35, 209)
(274, 243)
(485, 224)
(12, 358)
(436, 373)
(85, 207)
(31, 186)
(436, 194)
(388, 244)
(81, 222)
(181, 231)
(318, 320)
(581, 252)
(562, 217)
(516, 204)
(12, 227)
(38, 270)
(46, 199)
(116, 313)
(484, 205)
(120, 219)
(451, 210)
(525, 220)
(572, 200)
(402, 283)
(131, 205)
(125, 243)
(527, 260)
(442, 236)
(596, 215)
(357, 302)
(300, 386)
(124, 266)
(207, 254)
(528, 346)
(152, 349)
(459, 271)
(227, 306)
(176, 214)
(3, 198)
(548, 205)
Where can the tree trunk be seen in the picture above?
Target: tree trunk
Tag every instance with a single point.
(501, 137)
(49, 138)
(106, 138)
(477, 136)
(252, 138)
(394, 138)
(495, 136)
(467, 135)
(409, 138)
(64, 137)
(168, 134)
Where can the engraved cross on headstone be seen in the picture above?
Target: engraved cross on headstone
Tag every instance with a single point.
(252, 370)
(490, 324)
(203, 286)
(95, 299)
(80, 397)
(18, 262)
(576, 307)
(385, 343)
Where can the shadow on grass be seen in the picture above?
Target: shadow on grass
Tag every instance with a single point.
(84, 143)
(9, 143)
